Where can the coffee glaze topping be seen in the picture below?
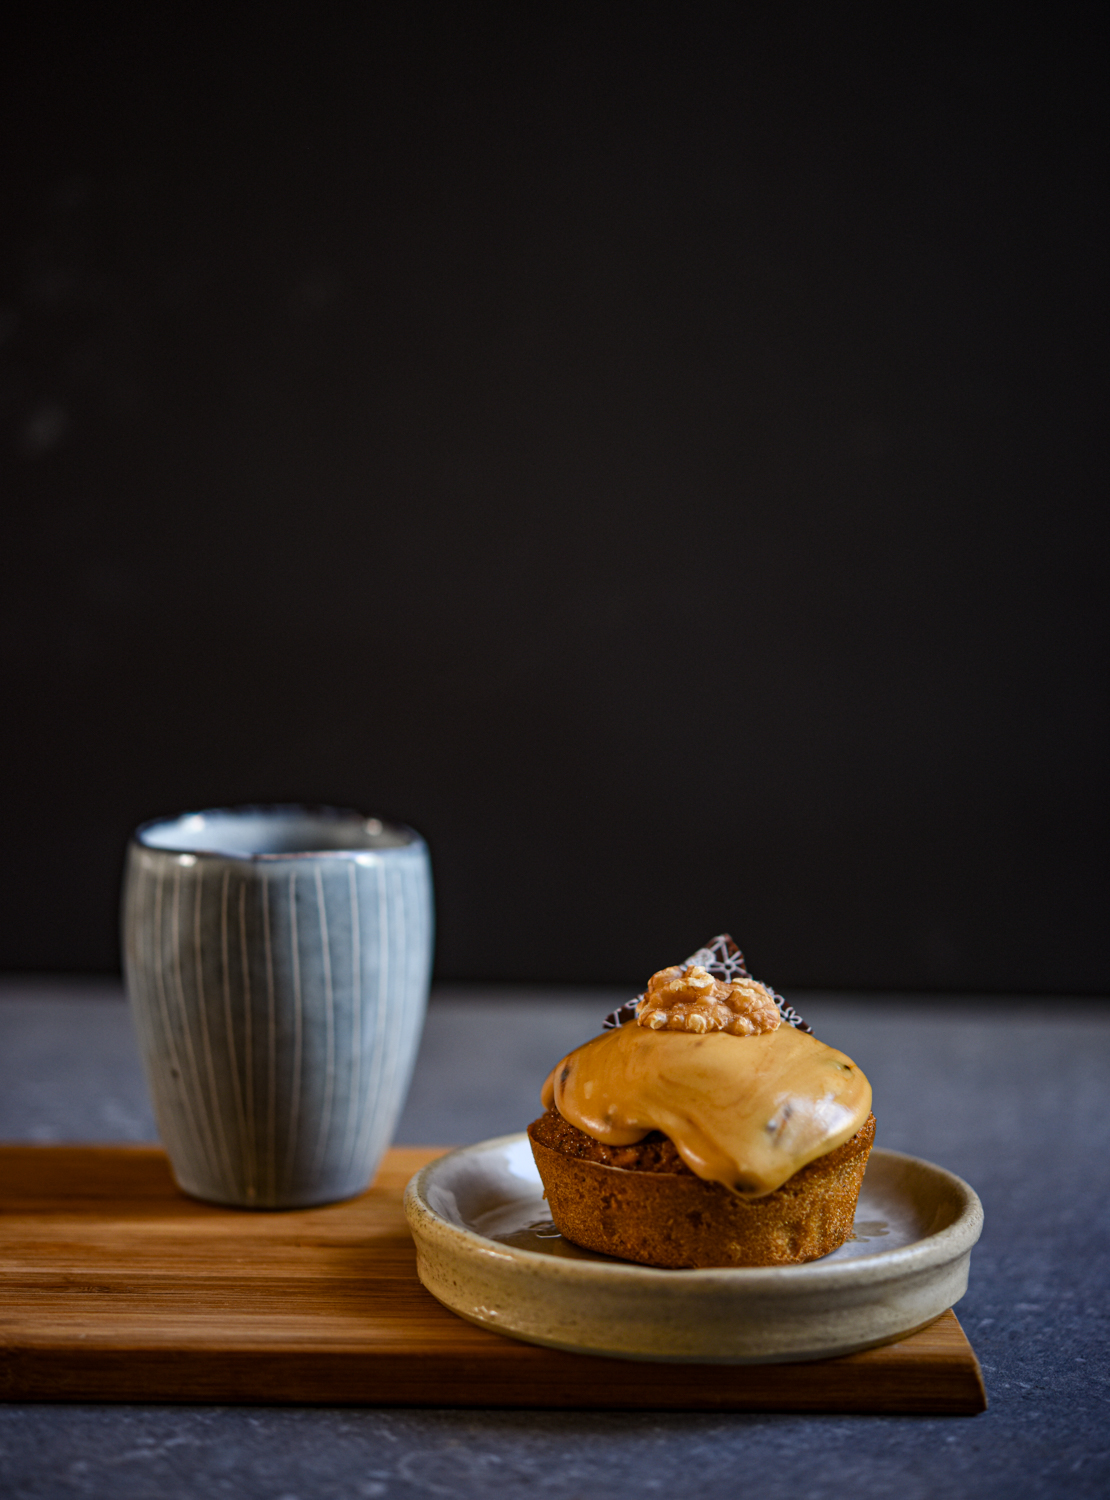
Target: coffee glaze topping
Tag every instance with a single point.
(745, 1111)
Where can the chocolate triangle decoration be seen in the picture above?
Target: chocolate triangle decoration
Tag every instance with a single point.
(623, 1014)
(721, 958)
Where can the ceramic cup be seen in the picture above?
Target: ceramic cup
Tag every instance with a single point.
(277, 961)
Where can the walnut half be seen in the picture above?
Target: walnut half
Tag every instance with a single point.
(690, 999)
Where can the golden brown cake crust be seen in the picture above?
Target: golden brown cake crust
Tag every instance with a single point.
(655, 1153)
(643, 1203)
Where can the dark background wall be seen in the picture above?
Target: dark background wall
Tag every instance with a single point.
(657, 453)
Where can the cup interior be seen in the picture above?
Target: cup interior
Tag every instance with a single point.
(269, 832)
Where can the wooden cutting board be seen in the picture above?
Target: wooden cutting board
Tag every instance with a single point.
(116, 1287)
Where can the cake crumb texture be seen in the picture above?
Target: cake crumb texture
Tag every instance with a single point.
(642, 1203)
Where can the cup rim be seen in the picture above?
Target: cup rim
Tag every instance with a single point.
(322, 811)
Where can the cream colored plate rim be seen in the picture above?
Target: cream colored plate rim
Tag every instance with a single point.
(933, 1250)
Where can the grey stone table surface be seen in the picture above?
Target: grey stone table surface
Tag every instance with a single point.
(1013, 1095)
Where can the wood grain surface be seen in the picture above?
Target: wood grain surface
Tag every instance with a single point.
(114, 1286)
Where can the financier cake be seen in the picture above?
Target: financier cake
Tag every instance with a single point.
(706, 1126)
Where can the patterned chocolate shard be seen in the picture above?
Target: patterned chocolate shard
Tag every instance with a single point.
(622, 1014)
(790, 1015)
(723, 960)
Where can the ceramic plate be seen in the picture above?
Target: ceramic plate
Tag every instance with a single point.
(487, 1249)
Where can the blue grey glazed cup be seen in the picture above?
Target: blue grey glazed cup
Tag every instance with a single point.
(277, 961)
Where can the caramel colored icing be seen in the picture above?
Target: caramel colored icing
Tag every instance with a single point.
(745, 1111)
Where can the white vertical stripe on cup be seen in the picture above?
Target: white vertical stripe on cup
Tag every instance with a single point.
(146, 994)
(374, 1087)
(209, 1059)
(400, 1008)
(417, 926)
(138, 983)
(248, 1044)
(271, 1045)
(421, 949)
(229, 1028)
(414, 969)
(190, 1129)
(396, 1016)
(205, 1141)
(329, 1026)
(385, 1057)
(355, 1075)
(298, 1024)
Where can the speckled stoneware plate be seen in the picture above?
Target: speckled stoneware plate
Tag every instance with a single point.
(487, 1249)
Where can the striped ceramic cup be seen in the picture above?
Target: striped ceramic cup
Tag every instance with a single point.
(277, 961)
